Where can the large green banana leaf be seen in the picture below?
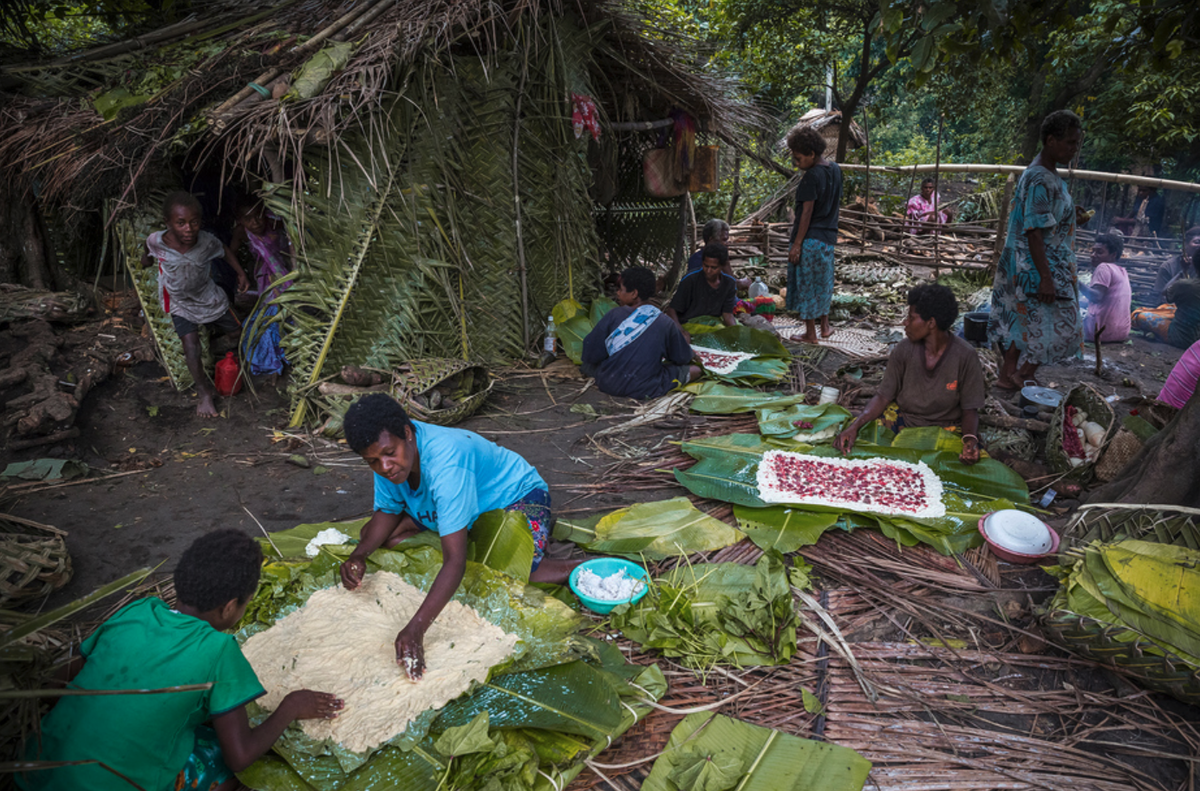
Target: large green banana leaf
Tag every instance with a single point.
(577, 323)
(771, 360)
(782, 527)
(712, 752)
(824, 422)
(655, 530)
(498, 539)
(727, 467)
(1083, 592)
(714, 398)
(718, 613)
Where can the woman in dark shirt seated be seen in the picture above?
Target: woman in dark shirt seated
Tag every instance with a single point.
(934, 377)
(636, 350)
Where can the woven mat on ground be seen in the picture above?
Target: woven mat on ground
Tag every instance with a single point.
(850, 341)
(923, 712)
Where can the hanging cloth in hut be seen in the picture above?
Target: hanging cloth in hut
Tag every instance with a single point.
(584, 115)
(685, 142)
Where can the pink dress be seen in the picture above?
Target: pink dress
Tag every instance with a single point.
(1113, 312)
(270, 251)
(921, 210)
(1182, 382)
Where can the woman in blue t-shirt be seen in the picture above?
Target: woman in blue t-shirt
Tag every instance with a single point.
(437, 478)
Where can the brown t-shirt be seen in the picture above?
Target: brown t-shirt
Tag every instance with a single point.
(937, 397)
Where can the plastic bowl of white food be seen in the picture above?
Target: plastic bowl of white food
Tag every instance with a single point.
(1018, 537)
(603, 583)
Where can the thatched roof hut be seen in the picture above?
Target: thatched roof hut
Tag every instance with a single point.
(421, 152)
(828, 124)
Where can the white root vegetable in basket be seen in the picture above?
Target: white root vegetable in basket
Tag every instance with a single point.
(1078, 418)
(1093, 433)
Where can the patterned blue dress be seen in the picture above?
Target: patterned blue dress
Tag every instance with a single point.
(1044, 333)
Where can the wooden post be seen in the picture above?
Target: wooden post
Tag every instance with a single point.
(867, 188)
(1002, 223)
(937, 165)
(737, 185)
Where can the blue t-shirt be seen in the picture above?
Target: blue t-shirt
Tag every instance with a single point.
(463, 475)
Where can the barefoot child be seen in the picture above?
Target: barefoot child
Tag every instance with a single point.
(436, 478)
(183, 254)
(161, 741)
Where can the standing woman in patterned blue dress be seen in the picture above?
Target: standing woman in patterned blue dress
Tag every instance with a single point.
(814, 234)
(1035, 316)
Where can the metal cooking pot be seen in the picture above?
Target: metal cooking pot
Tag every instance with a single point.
(1033, 395)
(975, 326)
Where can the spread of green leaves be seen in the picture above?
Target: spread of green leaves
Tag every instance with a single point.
(1150, 589)
(710, 614)
(771, 359)
(712, 752)
(727, 466)
(559, 699)
(574, 322)
(655, 530)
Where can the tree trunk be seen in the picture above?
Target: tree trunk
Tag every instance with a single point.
(1167, 470)
(25, 253)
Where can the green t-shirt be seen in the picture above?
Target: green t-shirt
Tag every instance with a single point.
(147, 738)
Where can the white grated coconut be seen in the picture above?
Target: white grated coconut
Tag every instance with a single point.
(330, 536)
(615, 587)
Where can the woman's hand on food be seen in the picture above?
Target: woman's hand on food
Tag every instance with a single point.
(970, 451)
(845, 440)
(410, 652)
(305, 704)
(353, 570)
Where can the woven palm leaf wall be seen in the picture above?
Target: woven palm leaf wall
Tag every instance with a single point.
(410, 234)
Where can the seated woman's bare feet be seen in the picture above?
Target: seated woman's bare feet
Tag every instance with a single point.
(206, 407)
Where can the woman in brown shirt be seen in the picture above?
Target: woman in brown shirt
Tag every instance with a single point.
(934, 377)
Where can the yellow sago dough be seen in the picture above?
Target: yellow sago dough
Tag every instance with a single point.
(343, 642)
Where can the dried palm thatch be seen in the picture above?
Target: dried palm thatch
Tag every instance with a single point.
(33, 560)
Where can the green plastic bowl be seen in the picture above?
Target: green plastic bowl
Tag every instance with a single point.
(606, 567)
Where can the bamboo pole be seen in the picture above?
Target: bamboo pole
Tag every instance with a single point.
(936, 173)
(1086, 175)
(517, 206)
(303, 49)
(867, 186)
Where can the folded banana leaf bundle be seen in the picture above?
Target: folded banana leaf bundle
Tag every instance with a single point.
(1135, 605)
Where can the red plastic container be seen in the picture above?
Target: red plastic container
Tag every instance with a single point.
(227, 380)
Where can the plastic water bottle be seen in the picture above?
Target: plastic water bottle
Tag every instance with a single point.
(758, 289)
(551, 336)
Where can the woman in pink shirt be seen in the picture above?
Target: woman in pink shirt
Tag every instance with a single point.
(1109, 295)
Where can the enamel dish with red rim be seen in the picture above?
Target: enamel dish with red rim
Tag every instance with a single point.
(1017, 536)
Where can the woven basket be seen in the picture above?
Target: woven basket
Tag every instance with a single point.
(1120, 647)
(1119, 452)
(441, 390)
(31, 566)
(1085, 397)
(1162, 524)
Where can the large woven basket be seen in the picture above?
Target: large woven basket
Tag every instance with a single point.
(1162, 524)
(1119, 452)
(1085, 397)
(31, 566)
(1134, 654)
(441, 390)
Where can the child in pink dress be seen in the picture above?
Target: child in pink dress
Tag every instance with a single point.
(1109, 295)
(272, 252)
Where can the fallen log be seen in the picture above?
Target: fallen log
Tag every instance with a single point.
(1008, 421)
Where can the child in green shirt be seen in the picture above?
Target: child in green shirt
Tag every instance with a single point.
(161, 740)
